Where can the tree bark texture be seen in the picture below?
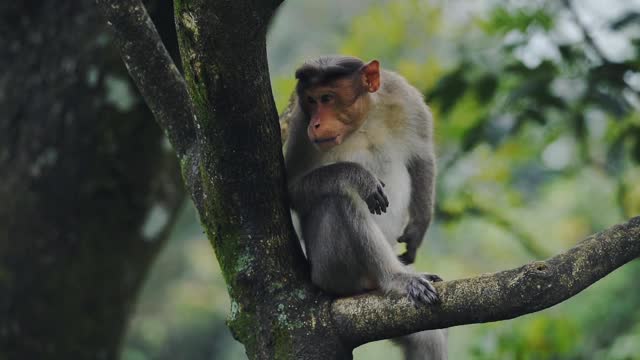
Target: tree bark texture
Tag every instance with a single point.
(88, 187)
(237, 168)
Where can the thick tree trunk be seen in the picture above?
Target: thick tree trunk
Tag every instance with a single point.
(245, 214)
(88, 188)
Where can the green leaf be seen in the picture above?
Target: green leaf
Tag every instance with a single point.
(485, 88)
(503, 20)
(449, 89)
(474, 135)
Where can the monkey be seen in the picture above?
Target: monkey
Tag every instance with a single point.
(361, 169)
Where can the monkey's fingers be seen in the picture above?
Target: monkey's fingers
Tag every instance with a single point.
(403, 239)
(383, 204)
(407, 257)
(380, 204)
(384, 197)
(372, 203)
(376, 204)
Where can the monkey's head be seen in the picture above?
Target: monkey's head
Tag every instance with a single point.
(333, 93)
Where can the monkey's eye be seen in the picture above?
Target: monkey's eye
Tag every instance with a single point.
(311, 100)
(326, 98)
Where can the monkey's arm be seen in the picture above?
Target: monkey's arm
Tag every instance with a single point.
(340, 178)
(422, 172)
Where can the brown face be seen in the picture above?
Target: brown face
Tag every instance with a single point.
(338, 109)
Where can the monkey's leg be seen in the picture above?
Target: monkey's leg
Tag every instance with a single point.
(349, 253)
(384, 267)
(424, 345)
(328, 229)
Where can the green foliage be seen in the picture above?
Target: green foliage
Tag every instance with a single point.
(580, 115)
(540, 337)
(392, 31)
(503, 20)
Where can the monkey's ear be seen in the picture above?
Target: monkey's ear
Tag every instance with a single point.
(371, 76)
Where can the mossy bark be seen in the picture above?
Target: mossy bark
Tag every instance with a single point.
(88, 189)
(275, 312)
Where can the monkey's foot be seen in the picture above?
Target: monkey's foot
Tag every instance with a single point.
(421, 291)
(416, 287)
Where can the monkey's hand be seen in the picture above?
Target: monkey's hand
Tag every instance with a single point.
(375, 197)
(418, 288)
(412, 236)
(408, 257)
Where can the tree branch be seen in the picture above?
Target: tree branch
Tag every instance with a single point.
(153, 70)
(492, 297)
(585, 32)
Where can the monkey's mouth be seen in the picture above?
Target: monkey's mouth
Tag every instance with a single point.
(328, 142)
(325, 140)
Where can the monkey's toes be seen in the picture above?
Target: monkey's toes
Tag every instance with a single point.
(432, 277)
(421, 291)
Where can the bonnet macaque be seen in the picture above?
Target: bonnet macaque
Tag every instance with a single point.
(361, 172)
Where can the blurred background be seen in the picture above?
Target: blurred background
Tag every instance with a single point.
(538, 135)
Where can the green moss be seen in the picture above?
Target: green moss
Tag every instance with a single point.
(188, 33)
(243, 327)
(189, 23)
(284, 344)
(275, 286)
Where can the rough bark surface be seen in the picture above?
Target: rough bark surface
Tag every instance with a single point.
(223, 47)
(240, 195)
(85, 172)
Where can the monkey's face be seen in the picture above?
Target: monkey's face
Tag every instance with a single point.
(336, 107)
(335, 112)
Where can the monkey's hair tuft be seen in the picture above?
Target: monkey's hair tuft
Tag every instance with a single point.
(325, 69)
